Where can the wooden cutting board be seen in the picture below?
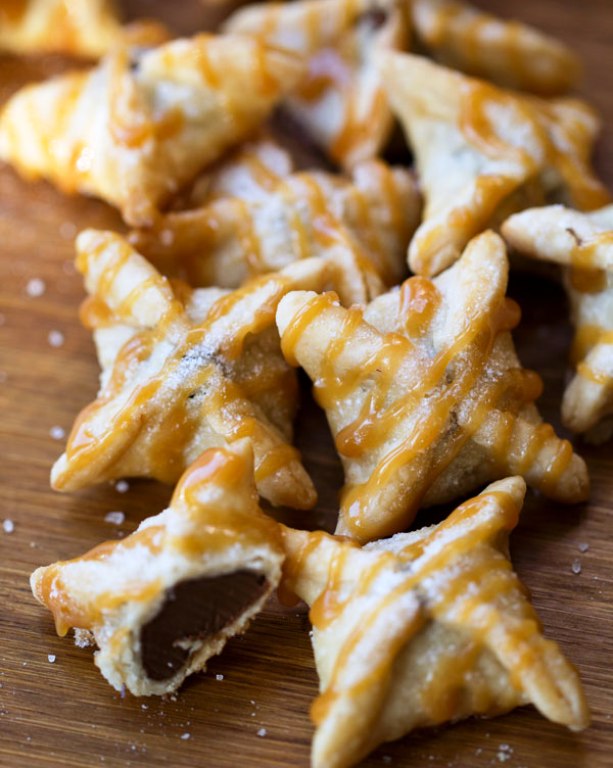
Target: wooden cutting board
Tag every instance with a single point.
(251, 707)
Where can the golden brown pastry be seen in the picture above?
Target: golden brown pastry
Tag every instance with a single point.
(425, 395)
(142, 124)
(182, 371)
(509, 53)
(483, 153)
(162, 601)
(425, 628)
(255, 220)
(583, 244)
(340, 102)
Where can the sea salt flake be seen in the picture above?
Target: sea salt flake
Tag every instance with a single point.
(56, 338)
(51, 658)
(576, 566)
(262, 732)
(35, 287)
(116, 518)
(57, 433)
(8, 526)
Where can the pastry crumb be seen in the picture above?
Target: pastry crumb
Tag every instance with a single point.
(83, 638)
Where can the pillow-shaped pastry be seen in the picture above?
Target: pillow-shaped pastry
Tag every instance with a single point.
(162, 601)
(425, 628)
(182, 371)
(362, 224)
(142, 124)
(583, 244)
(509, 53)
(340, 101)
(482, 153)
(425, 395)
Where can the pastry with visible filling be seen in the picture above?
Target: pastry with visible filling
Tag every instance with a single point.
(83, 28)
(425, 628)
(483, 153)
(340, 101)
(142, 124)
(182, 371)
(254, 219)
(582, 243)
(162, 601)
(425, 395)
(509, 53)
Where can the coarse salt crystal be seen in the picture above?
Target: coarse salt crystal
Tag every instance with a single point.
(185, 736)
(576, 566)
(56, 338)
(57, 433)
(583, 546)
(35, 287)
(8, 526)
(116, 518)
(122, 486)
(218, 677)
(262, 732)
(51, 658)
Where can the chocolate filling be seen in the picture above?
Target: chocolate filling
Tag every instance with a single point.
(195, 610)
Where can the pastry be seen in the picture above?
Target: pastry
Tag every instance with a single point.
(268, 220)
(583, 244)
(425, 395)
(482, 153)
(182, 371)
(340, 101)
(162, 601)
(509, 53)
(425, 628)
(141, 125)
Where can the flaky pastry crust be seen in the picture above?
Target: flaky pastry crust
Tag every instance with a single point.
(213, 536)
(425, 628)
(425, 395)
(582, 243)
(182, 371)
(142, 124)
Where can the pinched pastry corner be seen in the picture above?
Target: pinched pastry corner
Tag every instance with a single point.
(425, 395)
(256, 215)
(482, 153)
(162, 601)
(182, 371)
(340, 101)
(508, 53)
(425, 628)
(142, 124)
(582, 243)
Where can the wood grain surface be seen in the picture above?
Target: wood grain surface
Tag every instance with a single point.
(64, 713)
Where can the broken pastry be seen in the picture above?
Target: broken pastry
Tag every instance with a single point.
(182, 371)
(482, 153)
(255, 220)
(425, 628)
(162, 601)
(140, 126)
(425, 395)
(509, 53)
(340, 102)
(582, 243)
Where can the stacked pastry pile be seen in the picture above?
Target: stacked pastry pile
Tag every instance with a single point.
(251, 254)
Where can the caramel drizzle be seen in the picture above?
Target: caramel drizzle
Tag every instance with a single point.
(177, 426)
(423, 591)
(429, 402)
(216, 516)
